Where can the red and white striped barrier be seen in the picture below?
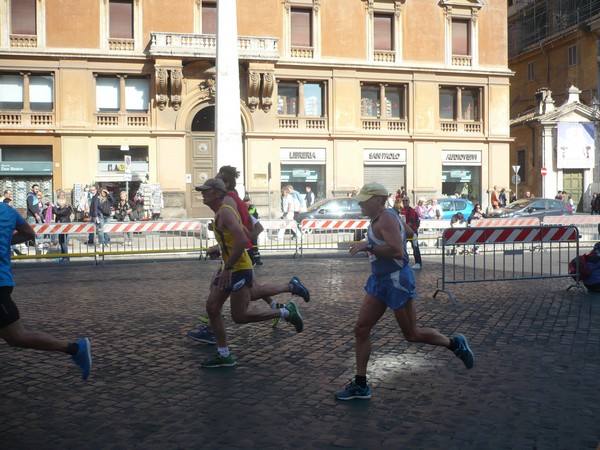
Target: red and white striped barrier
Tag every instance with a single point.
(463, 236)
(572, 220)
(336, 224)
(508, 222)
(64, 228)
(140, 227)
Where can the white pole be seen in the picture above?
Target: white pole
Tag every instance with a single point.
(228, 124)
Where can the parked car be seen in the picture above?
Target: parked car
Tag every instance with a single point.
(333, 208)
(453, 205)
(533, 207)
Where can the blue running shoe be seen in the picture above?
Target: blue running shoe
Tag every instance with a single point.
(83, 357)
(298, 288)
(203, 335)
(463, 351)
(352, 391)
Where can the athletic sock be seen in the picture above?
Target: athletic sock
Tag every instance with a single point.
(224, 351)
(284, 313)
(72, 349)
(453, 344)
(273, 304)
(361, 381)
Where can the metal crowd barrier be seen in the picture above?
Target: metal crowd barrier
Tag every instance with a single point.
(588, 225)
(477, 254)
(125, 238)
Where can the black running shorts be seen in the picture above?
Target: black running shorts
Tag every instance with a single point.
(9, 313)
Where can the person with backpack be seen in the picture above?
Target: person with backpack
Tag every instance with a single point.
(589, 269)
(412, 220)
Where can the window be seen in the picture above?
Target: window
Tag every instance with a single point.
(383, 26)
(572, 54)
(301, 27)
(209, 18)
(461, 38)
(109, 91)
(40, 88)
(531, 71)
(111, 159)
(467, 98)
(22, 17)
(301, 99)
(121, 19)
(373, 96)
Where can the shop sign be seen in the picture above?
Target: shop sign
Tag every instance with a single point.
(25, 168)
(302, 155)
(376, 156)
(461, 158)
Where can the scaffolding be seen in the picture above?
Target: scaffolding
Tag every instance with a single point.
(533, 21)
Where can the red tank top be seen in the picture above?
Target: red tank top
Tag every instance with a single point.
(243, 212)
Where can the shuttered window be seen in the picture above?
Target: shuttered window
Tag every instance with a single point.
(301, 27)
(383, 32)
(11, 92)
(121, 19)
(460, 37)
(392, 177)
(209, 18)
(137, 94)
(107, 94)
(22, 17)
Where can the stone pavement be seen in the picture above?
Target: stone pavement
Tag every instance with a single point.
(535, 384)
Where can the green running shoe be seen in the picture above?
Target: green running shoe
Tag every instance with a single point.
(219, 361)
(295, 318)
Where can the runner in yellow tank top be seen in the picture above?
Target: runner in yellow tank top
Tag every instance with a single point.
(234, 278)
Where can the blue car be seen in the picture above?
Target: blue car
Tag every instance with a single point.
(452, 205)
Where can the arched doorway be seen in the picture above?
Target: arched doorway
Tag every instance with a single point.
(201, 160)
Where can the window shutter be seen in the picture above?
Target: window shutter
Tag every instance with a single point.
(301, 28)
(137, 95)
(209, 18)
(107, 94)
(121, 19)
(460, 37)
(384, 32)
(22, 16)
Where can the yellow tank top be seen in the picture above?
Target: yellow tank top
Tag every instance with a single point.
(226, 240)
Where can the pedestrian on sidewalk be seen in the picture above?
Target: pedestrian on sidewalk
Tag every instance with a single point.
(14, 230)
(392, 285)
(412, 220)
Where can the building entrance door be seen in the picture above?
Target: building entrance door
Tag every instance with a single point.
(573, 186)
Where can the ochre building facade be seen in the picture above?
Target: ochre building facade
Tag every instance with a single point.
(334, 93)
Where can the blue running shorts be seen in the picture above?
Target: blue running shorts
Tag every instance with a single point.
(239, 279)
(394, 289)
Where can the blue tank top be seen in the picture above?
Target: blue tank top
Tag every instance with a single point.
(381, 265)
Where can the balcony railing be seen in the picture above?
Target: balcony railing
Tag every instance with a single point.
(121, 45)
(23, 41)
(302, 52)
(122, 120)
(303, 123)
(396, 125)
(381, 56)
(462, 60)
(205, 45)
(27, 119)
(461, 127)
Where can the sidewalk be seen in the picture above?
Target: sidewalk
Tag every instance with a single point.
(534, 386)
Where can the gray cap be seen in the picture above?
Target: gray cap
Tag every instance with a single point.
(212, 183)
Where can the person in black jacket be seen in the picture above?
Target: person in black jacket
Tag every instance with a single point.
(62, 214)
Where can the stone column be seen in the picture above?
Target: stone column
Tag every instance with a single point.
(228, 122)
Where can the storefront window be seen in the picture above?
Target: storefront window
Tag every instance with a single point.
(301, 176)
(466, 180)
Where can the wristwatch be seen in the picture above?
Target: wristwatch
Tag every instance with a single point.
(227, 267)
(370, 247)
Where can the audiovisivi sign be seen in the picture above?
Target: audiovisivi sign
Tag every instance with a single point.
(461, 158)
(25, 168)
(376, 156)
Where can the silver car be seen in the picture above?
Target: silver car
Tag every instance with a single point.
(533, 207)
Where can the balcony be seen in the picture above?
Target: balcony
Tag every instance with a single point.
(461, 127)
(395, 125)
(462, 60)
(23, 41)
(384, 56)
(121, 45)
(303, 123)
(20, 119)
(205, 46)
(302, 52)
(122, 120)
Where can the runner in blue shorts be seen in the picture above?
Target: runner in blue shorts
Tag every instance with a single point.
(391, 284)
